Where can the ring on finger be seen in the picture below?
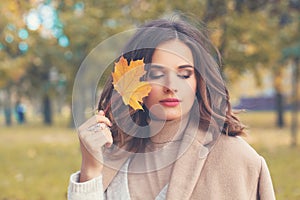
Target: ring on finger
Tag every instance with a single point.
(97, 127)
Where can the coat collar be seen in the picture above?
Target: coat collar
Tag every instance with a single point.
(186, 170)
(111, 168)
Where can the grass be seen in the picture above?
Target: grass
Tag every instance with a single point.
(36, 160)
(274, 145)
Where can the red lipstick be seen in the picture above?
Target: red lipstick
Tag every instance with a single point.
(170, 102)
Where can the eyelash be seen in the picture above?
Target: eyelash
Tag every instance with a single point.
(184, 77)
(153, 76)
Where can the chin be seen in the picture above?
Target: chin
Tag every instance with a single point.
(173, 116)
(167, 116)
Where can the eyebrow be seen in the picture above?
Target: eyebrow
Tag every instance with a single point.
(185, 66)
(179, 67)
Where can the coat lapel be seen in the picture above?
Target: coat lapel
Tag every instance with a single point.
(112, 165)
(187, 168)
(108, 175)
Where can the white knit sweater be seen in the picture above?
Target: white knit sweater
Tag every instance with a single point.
(93, 189)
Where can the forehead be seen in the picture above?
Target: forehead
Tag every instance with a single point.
(173, 53)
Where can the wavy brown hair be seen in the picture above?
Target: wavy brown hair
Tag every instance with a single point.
(211, 92)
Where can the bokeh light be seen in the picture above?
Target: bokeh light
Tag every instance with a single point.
(23, 46)
(23, 34)
(9, 38)
(47, 14)
(46, 18)
(57, 32)
(63, 41)
(79, 8)
(33, 20)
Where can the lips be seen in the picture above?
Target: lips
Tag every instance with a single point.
(170, 102)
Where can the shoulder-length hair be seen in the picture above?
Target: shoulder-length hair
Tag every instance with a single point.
(211, 92)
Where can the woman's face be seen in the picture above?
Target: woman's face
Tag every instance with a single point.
(173, 81)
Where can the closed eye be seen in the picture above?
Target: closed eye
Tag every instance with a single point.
(185, 73)
(156, 74)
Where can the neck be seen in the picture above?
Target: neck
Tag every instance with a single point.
(167, 131)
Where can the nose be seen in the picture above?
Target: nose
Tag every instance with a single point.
(171, 85)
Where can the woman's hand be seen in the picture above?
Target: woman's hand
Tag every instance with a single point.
(93, 134)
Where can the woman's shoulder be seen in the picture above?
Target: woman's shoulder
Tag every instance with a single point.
(236, 149)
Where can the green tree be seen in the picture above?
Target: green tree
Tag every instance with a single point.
(13, 45)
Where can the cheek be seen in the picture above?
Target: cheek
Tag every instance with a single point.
(192, 85)
(190, 95)
(153, 96)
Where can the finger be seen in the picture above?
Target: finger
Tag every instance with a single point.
(93, 140)
(108, 137)
(91, 121)
(101, 113)
(103, 119)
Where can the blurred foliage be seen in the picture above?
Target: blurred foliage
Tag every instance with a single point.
(250, 35)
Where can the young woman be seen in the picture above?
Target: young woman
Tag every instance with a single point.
(180, 139)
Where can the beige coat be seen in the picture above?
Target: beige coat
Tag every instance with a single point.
(231, 170)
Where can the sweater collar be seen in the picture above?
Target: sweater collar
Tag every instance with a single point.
(162, 132)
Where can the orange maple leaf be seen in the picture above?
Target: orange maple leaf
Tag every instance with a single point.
(126, 81)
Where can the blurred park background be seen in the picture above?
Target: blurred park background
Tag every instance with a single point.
(43, 43)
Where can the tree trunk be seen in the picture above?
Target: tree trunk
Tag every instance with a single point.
(47, 112)
(280, 109)
(279, 98)
(7, 108)
(295, 100)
